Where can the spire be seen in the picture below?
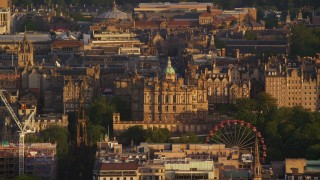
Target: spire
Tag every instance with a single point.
(288, 19)
(299, 17)
(114, 5)
(256, 161)
(169, 62)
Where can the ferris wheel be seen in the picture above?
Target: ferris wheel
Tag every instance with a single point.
(237, 134)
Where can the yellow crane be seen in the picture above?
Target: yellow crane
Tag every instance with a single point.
(24, 128)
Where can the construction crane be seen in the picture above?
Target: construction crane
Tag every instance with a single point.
(25, 128)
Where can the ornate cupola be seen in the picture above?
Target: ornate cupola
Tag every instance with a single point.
(169, 72)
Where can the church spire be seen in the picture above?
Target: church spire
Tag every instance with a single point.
(288, 19)
(256, 161)
(114, 5)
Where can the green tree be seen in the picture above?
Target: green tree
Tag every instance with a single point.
(305, 41)
(313, 152)
(271, 21)
(94, 133)
(56, 134)
(158, 135)
(135, 133)
(246, 110)
(265, 102)
(100, 112)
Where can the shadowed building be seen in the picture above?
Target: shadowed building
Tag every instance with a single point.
(25, 52)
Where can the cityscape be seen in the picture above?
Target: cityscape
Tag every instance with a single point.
(159, 90)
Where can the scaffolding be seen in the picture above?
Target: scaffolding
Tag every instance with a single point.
(40, 160)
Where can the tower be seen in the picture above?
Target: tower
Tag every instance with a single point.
(81, 125)
(299, 16)
(212, 44)
(256, 162)
(170, 73)
(25, 52)
(288, 19)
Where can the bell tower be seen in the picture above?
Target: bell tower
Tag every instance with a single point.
(25, 52)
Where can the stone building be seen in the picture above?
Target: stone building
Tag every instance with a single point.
(10, 79)
(25, 53)
(44, 121)
(73, 82)
(155, 99)
(73, 89)
(166, 102)
(224, 84)
(5, 19)
(293, 83)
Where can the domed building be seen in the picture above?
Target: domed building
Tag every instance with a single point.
(113, 14)
(170, 73)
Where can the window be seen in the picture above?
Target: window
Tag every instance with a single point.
(174, 108)
(174, 99)
(194, 98)
(166, 108)
(167, 98)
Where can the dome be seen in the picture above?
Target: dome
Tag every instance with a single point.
(114, 13)
(169, 69)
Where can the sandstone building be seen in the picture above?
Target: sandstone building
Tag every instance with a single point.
(293, 83)
(224, 84)
(166, 102)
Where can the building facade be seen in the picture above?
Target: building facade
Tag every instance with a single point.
(25, 53)
(5, 19)
(293, 84)
(224, 84)
(165, 99)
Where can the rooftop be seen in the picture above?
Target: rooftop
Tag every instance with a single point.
(118, 166)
